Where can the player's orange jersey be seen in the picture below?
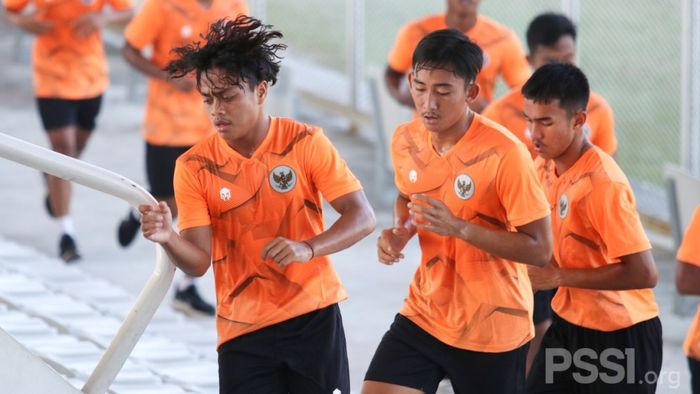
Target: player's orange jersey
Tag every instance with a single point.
(248, 202)
(689, 253)
(503, 54)
(599, 126)
(64, 65)
(173, 117)
(595, 222)
(462, 295)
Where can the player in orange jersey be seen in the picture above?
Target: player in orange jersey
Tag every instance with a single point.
(503, 54)
(605, 314)
(175, 118)
(70, 76)
(688, 282)
(552, 38)
(250, 203)
(468, 188)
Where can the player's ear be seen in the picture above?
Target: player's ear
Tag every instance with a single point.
(472, 91)
(261, 91)
(580, 118)
(410, 79)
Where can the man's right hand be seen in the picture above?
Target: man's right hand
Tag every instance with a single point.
(390, 244)
(156, 222)
(31, 24)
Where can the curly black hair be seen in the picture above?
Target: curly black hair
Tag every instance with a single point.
(240, 47)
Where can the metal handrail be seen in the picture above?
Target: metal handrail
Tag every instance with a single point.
(116, 185)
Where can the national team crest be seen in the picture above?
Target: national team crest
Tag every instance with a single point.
(283, 179)
(186, 31)
(464, 186)
(563, 206)
(225, 194)
(413, 176)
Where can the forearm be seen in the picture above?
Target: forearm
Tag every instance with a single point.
(513, 246)
(136, 59)
(609, 277)
(353, 225)
(402, 216)
(187, 256)
(393, 84)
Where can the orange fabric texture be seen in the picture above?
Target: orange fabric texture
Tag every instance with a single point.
(248, 202)
(595, 222)
(173, 117)
(599, 127)
(462, 295)
(689, 253)
(503, 54)
(64, 65)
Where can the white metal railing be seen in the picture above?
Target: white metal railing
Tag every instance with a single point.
(118, 186)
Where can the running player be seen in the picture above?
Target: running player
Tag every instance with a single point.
(503, 54)
(175, 118)
(70, 76)
(603, 266)
(468, 188)
(250, 204)
(688, 282)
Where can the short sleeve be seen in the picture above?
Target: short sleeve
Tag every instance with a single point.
(514, 68)
(15, 5)
(401, 54)
(192, 206)
(518, 188)
(604, 134)
(611, 208)
(689, 252)
(328, 172)
(145, 25)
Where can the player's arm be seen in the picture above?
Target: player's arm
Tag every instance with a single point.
(688, 278)
(392, 240)
(91, 22)
(189, 251)
(356, 221)
(393, 80)
(634, 271)
(530, 244)
(135, 58)
(27, 22)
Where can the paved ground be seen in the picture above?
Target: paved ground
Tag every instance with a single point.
(376, 292)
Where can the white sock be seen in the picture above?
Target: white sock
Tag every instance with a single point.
(185, 282)
(66, 224)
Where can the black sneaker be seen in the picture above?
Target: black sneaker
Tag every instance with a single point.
(189, 301)
(67, 249)
(128, 228)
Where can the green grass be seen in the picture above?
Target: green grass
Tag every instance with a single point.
(629, 49)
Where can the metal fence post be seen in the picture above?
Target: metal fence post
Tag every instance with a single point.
(355, 46)
(690, 87)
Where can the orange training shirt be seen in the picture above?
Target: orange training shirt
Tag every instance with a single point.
(595, 222)
(64, 65)
(461, 295)
(689, 253)
(248, 202)
(503, 54)
(599, 126)
(173, 117)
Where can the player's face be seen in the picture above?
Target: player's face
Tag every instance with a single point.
(234, 110)
(461, 7)
(441, 98)
(552, 130)
(563, 51)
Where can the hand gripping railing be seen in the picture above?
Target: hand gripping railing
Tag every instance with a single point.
(116, 185)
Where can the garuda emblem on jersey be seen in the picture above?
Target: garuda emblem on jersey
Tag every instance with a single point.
(283, 179)
(563, 206)
(464, 186)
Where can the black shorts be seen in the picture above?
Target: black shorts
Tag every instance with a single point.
(57, 113)
(303, 355)
(160, 168)
(409, 356)
(694, 366)
(543, 305)
(574, 359)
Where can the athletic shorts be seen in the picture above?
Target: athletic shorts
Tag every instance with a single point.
(303, 355)
(543, 305)
(694, 366)
(57, 113)
(574, 359)
(409, 356)
(160, 168)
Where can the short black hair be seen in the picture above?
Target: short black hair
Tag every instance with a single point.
(449, 50)
(561, 81)
(240, 47)
(546, 29)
